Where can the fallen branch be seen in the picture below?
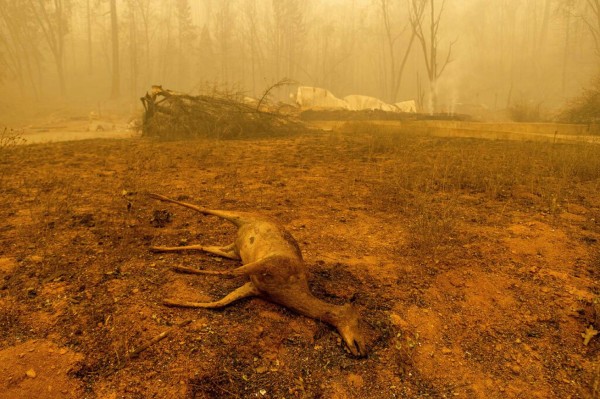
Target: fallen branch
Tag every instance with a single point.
(281, 83)
(136, 352)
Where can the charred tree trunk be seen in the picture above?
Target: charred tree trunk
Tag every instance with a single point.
(116, 79)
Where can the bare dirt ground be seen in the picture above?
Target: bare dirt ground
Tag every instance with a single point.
(476, 265)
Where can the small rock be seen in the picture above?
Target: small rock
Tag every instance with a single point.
(356, 380)
(589, 333)
(35, 259)
(31, 373)
(160, 218)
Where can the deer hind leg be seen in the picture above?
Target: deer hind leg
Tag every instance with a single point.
(245, 291)
(237, 218)
(226, 252)
(244, 270)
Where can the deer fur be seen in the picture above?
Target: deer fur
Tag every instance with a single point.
(273, 263)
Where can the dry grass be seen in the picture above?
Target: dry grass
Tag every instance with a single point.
(79, 228)
(9, 139)
(425, 178)
(584, 108)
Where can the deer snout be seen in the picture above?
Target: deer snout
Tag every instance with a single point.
(352, 333)
(354, 341)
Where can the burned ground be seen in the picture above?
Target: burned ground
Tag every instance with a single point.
(475, 263)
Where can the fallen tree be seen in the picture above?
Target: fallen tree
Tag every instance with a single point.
(170, 115)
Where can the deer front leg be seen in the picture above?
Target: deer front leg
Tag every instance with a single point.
(245, 291)
(226, 252)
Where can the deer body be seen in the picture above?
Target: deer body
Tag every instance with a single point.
(273, 263)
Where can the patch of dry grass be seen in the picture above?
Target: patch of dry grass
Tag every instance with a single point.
(423, 178)
(9, 139)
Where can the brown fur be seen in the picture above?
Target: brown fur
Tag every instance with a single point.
(273, 262)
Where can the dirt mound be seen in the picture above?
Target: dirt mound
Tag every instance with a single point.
(38, 369)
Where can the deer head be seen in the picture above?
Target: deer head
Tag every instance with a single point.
(349, 325)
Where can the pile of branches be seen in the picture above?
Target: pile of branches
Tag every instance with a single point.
(172, 115)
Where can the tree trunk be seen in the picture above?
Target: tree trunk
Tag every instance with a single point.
(89, 38)
(114, 93)
(133, 52)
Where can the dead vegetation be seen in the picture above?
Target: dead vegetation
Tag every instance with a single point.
(585, 108)
(217, 114)
(476, 261)
(9, 139)
(429, 180)
(494, 168)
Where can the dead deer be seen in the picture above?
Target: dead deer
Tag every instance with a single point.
(273, 262)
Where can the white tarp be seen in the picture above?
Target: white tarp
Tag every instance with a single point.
(309, 97)
(357, 103)
(407, 106)
(316, 97)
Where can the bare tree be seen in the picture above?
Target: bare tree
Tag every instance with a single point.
(592, 20)
(20, 54)
(332, 56)
(166, 42)
(52, 18)
(132, 49)
(114, 29)
(89, 36)
(585, 11)
(397, 56)
(429, 39)
(253, 41)
(289, 36)
(205, 65)
(543, 37)
(144, 11)
(224, 33)
(185, 37)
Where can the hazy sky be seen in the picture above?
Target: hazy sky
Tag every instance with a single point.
(503, 51)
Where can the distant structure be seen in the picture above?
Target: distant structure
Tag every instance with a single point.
(317, 98)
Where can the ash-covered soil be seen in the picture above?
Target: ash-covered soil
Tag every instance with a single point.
(475, 264)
